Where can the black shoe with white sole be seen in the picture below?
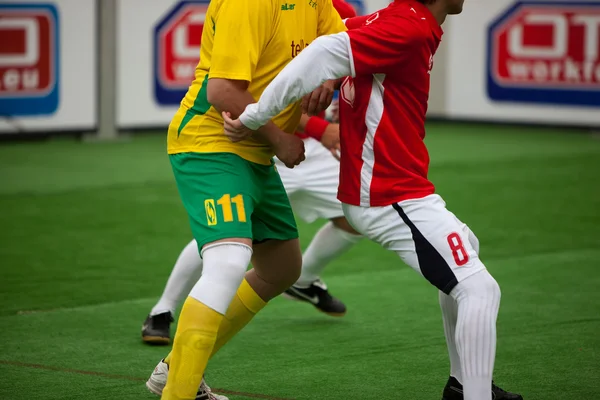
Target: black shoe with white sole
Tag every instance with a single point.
(454, 391)
(317, 295)
(157, 329)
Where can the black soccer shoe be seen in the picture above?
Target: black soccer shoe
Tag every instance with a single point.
(454, 391)
(317, 295)
(157, 329)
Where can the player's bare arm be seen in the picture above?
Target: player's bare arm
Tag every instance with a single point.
(331, 140)
(233, 96)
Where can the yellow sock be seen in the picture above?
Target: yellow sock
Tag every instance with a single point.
(242, 309)
(244, 306)
(192, 347)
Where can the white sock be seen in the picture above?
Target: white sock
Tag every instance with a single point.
(185, 274)
(478, 300)
(449, 315)
(328, 243)
(225, 264)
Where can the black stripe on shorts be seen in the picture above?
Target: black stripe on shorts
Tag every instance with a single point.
(433, 266)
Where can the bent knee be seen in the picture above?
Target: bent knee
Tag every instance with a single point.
(291, 271)
(490, 285)
(294, 275)
(224, 267)
(226, 258)
(278, 262)
(481, 285)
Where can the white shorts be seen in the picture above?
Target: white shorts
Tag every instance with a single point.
(427, 237)
(312, 186)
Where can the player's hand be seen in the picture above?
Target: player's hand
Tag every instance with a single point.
(316, 102)
(234, 129)
(290, 150)
(331, 140)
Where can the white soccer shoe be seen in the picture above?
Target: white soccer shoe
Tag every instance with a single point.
(157, 381)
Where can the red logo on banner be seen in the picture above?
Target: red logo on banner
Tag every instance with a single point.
(179, 46)
(26, 52)
(548, 45)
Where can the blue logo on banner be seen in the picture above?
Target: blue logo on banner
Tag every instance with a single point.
(177, 50)
(545, 52)
(29, 59)
(359, 6)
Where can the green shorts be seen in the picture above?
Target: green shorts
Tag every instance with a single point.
(228, 197)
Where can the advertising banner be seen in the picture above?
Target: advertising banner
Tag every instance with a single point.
(524, 61)
(158, 50)
(48, 74)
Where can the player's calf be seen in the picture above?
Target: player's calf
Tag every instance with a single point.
(478, 301)
(277, 266)
(330, 242)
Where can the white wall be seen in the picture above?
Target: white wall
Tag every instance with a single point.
(76, 76)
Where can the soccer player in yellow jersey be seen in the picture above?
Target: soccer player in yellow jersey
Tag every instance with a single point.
(236, 203)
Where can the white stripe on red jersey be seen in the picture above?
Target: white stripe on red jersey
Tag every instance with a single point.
(373, 116)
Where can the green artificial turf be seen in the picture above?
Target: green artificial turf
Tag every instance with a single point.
(90, 232)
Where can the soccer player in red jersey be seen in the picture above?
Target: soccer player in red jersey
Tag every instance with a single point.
(387, 58)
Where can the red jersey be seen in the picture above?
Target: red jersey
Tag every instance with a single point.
(382, 110)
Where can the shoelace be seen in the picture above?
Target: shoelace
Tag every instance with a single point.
(207, 391)
(323, 292)
(320, 284)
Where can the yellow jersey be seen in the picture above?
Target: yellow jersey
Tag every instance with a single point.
(250, 40)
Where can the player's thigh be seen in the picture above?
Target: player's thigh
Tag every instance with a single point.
(321, 174)
(469, 234)
(275, 233)
(427, 237)
(218, 194)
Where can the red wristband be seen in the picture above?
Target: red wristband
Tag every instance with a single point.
(315, 127)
